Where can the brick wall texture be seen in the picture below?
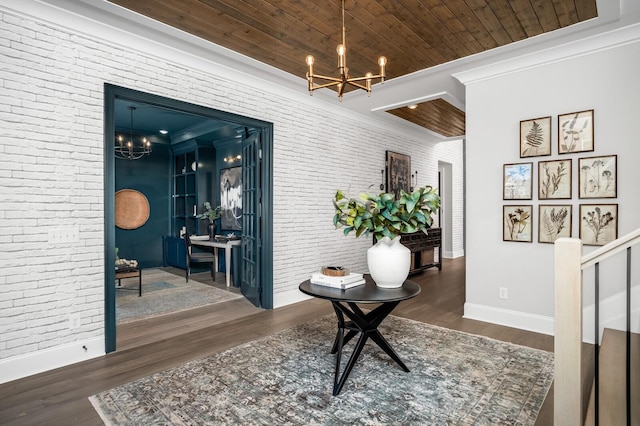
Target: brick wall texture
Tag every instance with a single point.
(51, 173)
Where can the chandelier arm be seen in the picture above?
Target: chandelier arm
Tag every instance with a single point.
(350, 79)
(324, 77)
(129, 150)
(322, 86)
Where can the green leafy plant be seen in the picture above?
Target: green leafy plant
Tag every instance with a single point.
(210, 212)
(384, 216)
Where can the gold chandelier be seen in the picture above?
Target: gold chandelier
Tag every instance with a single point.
(131, 149)
(344, 78)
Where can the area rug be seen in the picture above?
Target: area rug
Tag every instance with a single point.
(286, 379)
(163, 293)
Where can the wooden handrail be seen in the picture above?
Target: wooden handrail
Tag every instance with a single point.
(608, 250)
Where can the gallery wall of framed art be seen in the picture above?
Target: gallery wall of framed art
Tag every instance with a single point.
(596, 176)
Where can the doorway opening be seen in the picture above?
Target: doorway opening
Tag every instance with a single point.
(211, 133)
(445, 214)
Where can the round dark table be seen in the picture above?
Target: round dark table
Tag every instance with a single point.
(345, 303)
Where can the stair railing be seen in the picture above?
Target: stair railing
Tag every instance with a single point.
(570, 402)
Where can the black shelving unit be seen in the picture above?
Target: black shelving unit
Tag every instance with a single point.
(185, 192)
(193, 183)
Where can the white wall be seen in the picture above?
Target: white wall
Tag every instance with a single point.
(51, 172)
(594, 76)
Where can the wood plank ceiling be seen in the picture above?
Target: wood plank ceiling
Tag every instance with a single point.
(412, 34)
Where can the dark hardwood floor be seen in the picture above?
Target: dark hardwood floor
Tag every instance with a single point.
(60, 397)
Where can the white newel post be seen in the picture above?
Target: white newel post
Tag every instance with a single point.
(568, 332)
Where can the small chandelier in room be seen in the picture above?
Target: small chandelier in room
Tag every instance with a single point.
(131, 149)
(344, 78)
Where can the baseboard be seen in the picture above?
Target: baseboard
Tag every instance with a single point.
(21, 366)
(509, 318)
(288, 297)
(452, 254)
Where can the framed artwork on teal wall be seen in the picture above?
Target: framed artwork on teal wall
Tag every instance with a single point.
(231, 199)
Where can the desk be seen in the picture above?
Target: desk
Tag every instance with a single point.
(129, 273)
(216, 245)
(364, 324)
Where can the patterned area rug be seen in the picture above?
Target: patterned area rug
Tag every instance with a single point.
(164, 293)
(286, 379)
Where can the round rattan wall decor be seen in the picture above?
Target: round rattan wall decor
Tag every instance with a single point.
(132, 209)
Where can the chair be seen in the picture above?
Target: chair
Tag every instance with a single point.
(197, 257)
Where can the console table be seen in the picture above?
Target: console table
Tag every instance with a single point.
(345, 303)
(419, 242)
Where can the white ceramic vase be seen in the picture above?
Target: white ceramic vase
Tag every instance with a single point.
(389, 262)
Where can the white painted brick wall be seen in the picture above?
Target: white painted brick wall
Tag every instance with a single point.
(452, 153)
(51, 173)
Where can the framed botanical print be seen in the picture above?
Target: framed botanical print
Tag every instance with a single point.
(554, 180)
(398, 173)
(575, 132)
(535, 137)
(231, 198)
(554, 221)
(516, 223)
(598, 223)
(598, 177)
(517, 181)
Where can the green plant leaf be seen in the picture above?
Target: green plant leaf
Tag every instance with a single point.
(383, 215)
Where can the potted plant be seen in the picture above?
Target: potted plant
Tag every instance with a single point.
(212, 214)
(386, 218)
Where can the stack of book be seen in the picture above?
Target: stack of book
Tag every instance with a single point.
(343, 283)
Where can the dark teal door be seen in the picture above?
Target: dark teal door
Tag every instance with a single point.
(250, 282)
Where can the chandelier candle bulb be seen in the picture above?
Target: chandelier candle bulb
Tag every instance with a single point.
(342, 57)
(382, 61)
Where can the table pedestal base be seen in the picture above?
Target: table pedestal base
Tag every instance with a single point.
(366, 325)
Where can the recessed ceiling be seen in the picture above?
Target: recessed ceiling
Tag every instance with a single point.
(437, 115)
(181, 126)
(413, 34)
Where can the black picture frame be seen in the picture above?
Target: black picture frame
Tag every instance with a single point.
(398, 173)
(231, 199)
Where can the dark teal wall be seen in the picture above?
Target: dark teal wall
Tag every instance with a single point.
(151, 176)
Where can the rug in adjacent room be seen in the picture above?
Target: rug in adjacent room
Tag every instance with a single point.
(286, 378)
(164, 293)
